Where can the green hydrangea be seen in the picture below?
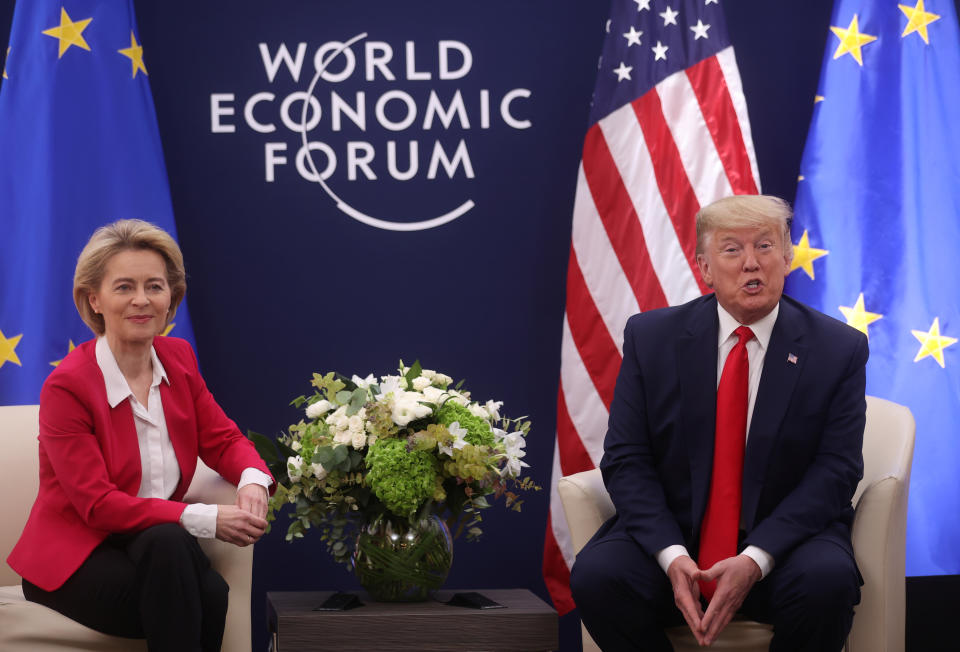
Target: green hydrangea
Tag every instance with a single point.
(402, 479)
(478, 430)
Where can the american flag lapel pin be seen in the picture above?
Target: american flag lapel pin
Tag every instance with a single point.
(791, 358)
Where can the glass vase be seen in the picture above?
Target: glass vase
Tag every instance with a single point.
(401, 561)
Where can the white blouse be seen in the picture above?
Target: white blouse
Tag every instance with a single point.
(160, 472)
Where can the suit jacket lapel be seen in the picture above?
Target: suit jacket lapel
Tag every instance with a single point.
(119, 442)
(697, 360)
(125, 467)
(176, 403)
(782, 366)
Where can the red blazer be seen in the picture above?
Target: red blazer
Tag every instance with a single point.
(90, 460)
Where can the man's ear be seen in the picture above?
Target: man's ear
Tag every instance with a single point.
(705, 272)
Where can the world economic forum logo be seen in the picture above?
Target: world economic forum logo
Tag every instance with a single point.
(386, 104)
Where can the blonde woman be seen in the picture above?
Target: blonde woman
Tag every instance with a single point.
(109, 542)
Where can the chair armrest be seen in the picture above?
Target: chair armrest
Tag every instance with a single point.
(586, 504)
(234, 564)
(879, 541)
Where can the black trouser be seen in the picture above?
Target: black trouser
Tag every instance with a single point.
(156, 584)
(625, 599)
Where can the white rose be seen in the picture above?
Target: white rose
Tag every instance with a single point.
(355, 423)
(344, 437)
(318, 409)
(442, 379)
(434, 395)
(340, 412)
(359, 439)
(295, 468)
(420, 383)
(428, 373)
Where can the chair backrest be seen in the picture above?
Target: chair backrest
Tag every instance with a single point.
(19, 477)
(887, 444)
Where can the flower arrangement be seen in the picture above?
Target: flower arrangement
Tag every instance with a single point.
(395, 450)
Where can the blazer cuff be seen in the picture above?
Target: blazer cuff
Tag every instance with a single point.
(763, 558)
(666, 556)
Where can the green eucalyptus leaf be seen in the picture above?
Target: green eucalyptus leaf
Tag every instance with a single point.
(343, 397)
(324, 455)
(357, 401)
(414, 371)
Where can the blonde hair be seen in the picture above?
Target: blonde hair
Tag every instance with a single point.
(744, 211)
(109, 240)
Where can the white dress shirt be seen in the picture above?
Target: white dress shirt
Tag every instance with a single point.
(756, 351)
(160, 472)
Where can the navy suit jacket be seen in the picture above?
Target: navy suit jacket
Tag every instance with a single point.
(803, 457)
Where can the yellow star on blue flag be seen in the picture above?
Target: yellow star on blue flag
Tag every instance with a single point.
(804, 255)
(69, 32)
(932, 343)
(135, 54)
(917, 20)
(8, 349)
(852, 40)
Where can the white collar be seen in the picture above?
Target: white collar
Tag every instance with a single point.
(762, 328)
(117, 387)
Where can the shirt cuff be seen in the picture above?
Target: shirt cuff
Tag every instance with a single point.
(763, 558)
(251, 475)
(666, 556)
(200, 520)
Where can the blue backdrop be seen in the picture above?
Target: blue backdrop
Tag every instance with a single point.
(285, 277)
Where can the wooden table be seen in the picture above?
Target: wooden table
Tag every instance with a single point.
(527, 623)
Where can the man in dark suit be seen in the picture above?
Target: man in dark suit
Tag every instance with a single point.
(789, 558)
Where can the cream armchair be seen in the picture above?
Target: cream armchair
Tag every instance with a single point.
(29, 627)
(879, 531)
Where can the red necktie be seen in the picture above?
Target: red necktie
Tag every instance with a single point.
(718, 534)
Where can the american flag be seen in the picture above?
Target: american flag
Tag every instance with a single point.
(668, 134)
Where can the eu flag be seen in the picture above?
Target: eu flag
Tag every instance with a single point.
(79, 148)
(877, 232)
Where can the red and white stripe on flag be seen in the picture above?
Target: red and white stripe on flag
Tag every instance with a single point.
(646, 170)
